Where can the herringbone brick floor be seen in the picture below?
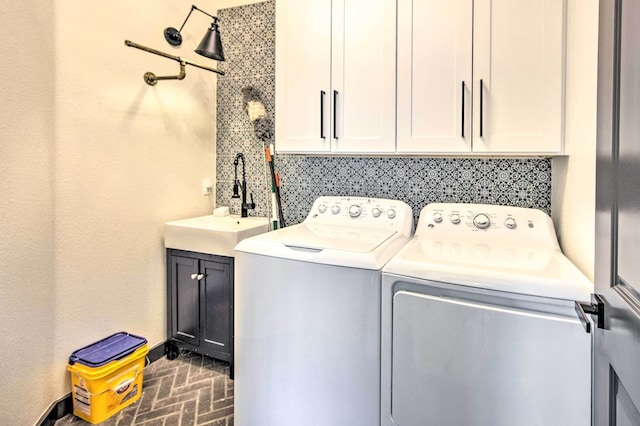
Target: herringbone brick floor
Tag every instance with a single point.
(190, 390)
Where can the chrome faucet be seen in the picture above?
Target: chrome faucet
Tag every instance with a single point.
(242, 185)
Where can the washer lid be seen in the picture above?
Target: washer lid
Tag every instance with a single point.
(334, 237)
(338, 245)
(524, 269)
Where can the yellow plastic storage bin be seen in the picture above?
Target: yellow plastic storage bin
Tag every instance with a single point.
(106, 376)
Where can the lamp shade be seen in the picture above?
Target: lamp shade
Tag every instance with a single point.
(211, 44)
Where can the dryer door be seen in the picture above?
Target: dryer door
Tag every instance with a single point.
(457, 362)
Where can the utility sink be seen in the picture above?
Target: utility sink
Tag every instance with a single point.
(212, 234)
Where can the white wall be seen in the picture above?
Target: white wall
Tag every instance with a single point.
(573, 198)
(224, 4)
(27, 288)
(93, 161)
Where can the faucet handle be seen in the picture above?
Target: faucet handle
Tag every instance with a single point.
(251, 205)
(236, 189)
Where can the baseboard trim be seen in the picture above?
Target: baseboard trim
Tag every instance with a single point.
(156, 352)
(56, 411)
(64, 405)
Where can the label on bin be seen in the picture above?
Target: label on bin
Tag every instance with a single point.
(82, 400)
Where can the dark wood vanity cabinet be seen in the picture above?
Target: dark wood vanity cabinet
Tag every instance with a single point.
(200, 305)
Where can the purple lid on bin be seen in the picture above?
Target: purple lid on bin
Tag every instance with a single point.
(112, 348)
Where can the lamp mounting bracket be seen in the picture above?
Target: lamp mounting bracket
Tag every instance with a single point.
(151, 79)
(173, 36)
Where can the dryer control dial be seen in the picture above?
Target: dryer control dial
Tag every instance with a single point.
(510, 223)
(391, 213)
(481, 221)
(455, 218)
(437, 217)
(322, 208)
(355, 210)
(335, 209)
(376, 212)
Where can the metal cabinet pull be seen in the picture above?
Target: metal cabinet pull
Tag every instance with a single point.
(197, 276)
(335, 113)
(481, 108)
(322, 93)
(194, 276)
(596, 307)
(462, 130)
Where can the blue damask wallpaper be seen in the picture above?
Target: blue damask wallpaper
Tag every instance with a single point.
(248, 34)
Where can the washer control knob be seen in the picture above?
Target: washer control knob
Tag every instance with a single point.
(355, 210)
(322, 208)
(376, 212)
(455, 218)
(437, 217)
(510, 223)
(481, 221)
(391, 213)
(335, 209)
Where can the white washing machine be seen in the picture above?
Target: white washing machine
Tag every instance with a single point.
(478, 323)
(307, 315)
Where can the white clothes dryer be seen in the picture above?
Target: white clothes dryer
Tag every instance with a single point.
(479, 326)
(307, 315)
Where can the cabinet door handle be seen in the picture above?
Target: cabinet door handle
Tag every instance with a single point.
(200, 276)
(197, 276)
(335, 113)
(194, 276)
(481, 108)
(462, 126)
(322, 93)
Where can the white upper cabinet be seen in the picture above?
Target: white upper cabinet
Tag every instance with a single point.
(482, 76)
(303, 75)
(335, 76)
(519, 58)
(473, 76)
(434, 75)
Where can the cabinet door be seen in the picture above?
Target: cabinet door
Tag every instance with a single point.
(434, 75)
(216, 302)
(185, 318)
(518, 57)
(303, 72)
(363, 76)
